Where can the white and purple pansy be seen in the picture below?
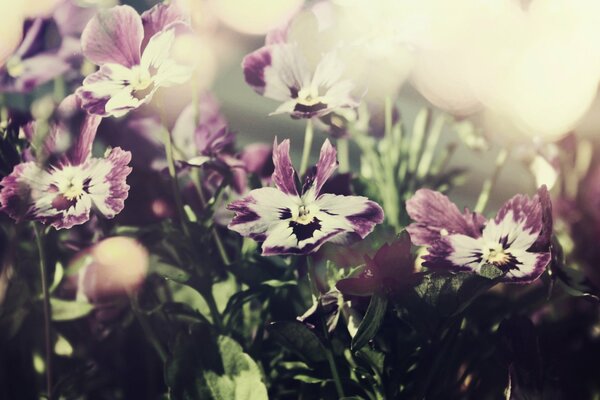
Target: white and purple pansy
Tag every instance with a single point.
(287, 221)
(517, 241)
(134, 55)
(63, 193)
(280, 71)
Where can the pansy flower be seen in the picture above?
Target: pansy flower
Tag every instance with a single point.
(516, 241)
(288, 221)
(134, 55)
(63, 192)
(309, 80)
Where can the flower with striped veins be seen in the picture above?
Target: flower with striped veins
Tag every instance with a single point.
(134, 55)
(64, 192)
(280, 71)
(287, 221)
(517, 241)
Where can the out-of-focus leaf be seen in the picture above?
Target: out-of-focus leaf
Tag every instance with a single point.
(63, 310)
(309, 379)
(203, 366)
(297, 338)
(371, 321)
(168, 271)
(59, 273)
(574, 281)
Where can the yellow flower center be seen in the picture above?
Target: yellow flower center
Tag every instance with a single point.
(496, 255)
(73, 190)
(304, 215)
(142, 79)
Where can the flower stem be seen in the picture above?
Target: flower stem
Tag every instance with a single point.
(148, 331)
(308, 139)
(312, 277)
(489, 183)
(39, 238)
(174, 183)
(343, 155)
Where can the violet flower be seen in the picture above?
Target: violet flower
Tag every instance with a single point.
(64, 192)
(292, 222)
(516, 241)
(134, 55)
(32, 64)
(280, 71)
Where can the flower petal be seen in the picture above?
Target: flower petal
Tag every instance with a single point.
(277, 71)
(258, 212)
(108, 188)
(114, 36)
(529, 266)
(434, 214)
(83, 144)
(161, 17)
(99, 87)
(284, 175)
(321, 172)
(351, 214)
(15, 196)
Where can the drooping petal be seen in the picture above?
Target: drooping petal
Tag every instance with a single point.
(284, 175)
(321, 172)
(107, 187)
(161, 17)
(114, 36)
(435, 216)
(351, 214)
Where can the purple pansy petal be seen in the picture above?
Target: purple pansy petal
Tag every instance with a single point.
(325, 167)
(280, 240)
(434, 214)
(277, 72)
(531, 266)
(99, 87)
(523, 210)
(83, 144)
(114, 36)
(161, 17)
(284, 175)
(350, 213)
(257, 159)
(15, 196)
(108, 188)
(545, 238)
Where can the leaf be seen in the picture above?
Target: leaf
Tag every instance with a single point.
(274, 283)
(297, 338)
(168, 271)
(309, 379)
(206, 367)
(59, 273)
(371, 322)
(63, 310)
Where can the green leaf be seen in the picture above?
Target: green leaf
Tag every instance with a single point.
(371, 322)
(63, 310)
(297, 338)
(168, 271)
(206, 367)
(274, 283)
(309, 379)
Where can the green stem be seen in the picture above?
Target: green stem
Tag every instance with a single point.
(39, 236)
(174, 183)
(148, 331)
(343, 155)
(214, 311)
(308, 139)
(489, 183)
(312, 277)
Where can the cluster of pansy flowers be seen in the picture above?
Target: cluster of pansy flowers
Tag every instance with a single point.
(61, 187)
(288, 221)
(133, 54)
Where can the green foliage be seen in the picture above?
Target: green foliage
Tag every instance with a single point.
(207, 366)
